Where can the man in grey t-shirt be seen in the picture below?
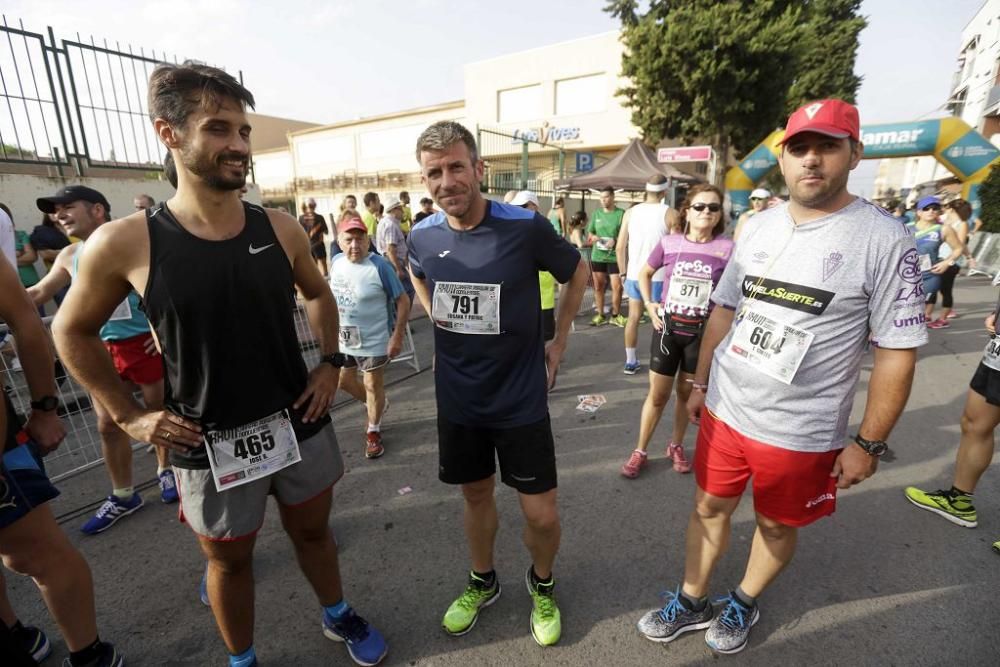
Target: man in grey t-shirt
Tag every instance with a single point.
(812, 283)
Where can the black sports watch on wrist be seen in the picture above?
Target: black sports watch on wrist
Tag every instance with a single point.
(874, 448)
(45, 403)
(337, 359)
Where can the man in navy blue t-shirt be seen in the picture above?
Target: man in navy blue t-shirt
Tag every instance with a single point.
(475, 269)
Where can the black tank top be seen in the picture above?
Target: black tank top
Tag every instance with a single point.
(223, 312)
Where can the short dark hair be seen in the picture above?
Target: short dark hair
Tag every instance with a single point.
(370, 197)
(444, 134)
(352, 197)
(149, 200)
(608, 189)
(426, 200)
(176, 91)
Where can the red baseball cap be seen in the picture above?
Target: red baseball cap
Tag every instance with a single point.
(351, 224)
(834, 118)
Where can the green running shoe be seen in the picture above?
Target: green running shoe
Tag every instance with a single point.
(546, 624)
(955, 507)
(996, 546)
(619, 320)
(598, 320)
(464, 611)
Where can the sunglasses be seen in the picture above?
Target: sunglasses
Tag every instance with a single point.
(756, 199)
(931, 207)
(712, 208)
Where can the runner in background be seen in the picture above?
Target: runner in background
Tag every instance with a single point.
(956, 215)
(603, 235)
(692, 263)
(643, 226)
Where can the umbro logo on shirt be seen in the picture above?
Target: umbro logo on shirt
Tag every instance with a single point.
(254, 251)
(442, 254)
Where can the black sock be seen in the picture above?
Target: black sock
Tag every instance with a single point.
(741, 596)
(692, 603)
(489, 578)
(535, 579)
(88, 655)
(958, 491)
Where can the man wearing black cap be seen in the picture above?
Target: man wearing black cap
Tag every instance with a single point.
(81, 210)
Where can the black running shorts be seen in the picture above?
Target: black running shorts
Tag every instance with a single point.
(670, 351)
(527, 455)
(610, 268)
(986, 383)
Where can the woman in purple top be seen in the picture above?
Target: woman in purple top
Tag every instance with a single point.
(694, 262)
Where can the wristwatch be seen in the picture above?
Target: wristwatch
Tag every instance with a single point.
(874, 448)
(46, 404)
(337, 359)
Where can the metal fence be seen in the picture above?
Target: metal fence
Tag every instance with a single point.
(76, 104)
(81, 450)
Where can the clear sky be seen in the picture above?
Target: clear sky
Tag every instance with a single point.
(325, 61)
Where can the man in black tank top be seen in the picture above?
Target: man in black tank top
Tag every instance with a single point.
(31, 542)
(244, 416)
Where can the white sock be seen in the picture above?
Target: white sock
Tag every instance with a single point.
(374, 428)
(630, 357)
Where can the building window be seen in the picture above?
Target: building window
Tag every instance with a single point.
(516, 104)
(582, 94)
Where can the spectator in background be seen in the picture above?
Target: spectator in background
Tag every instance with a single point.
(143, 202)
(48, 239)
(350, 203)
(316, 230)
(407, 221)
(372, 213)
(26, 256)
(578, 233)
(546, 281)
(391, 243)
(956, 215)
(335, 248)
(557, 216)
(759, 201)
(426, 209)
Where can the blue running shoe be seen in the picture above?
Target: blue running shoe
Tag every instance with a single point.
(113, 509)
(168, 487)
(365, 644)
(631, 369)
(36, 643)
(203, 589)
(730, 630)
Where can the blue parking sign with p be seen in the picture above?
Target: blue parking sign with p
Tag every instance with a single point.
(584, 162)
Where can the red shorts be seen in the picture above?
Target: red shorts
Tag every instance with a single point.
(132, 362)
(790, 487)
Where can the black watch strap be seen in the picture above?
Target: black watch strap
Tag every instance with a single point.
(337, 359)
(874, 448)
(45, 403)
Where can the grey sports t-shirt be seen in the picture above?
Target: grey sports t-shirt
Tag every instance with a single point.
(847, 278)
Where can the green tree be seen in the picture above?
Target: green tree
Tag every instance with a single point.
(731, 71)
(989, 201)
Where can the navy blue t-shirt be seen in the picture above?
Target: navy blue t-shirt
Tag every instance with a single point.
(493, 380)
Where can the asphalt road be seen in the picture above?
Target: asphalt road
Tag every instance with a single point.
(878, 583)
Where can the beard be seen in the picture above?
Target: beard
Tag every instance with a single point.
(831, 188)
(211, 172)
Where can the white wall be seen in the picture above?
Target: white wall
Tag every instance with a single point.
(606, 123)
(980, 68)
(19, 192)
